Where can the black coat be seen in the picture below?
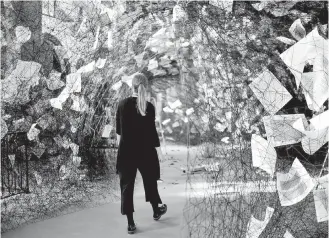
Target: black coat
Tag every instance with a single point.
(138, 137)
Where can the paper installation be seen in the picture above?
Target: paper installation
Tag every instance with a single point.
(107, 131)
(116, 86)
(279, 129)
(297, 30)
(295, 185)
(75, 148)
(33, 132)
(100, 63)
(23, 34)
(165, 122)
(270, 92)
(54, 82)
(76, 160)
(320, 194)
(286, 40)
(175, 124)
(320, 121)
(168, 110)
(263, 154)
(225, 140)
(304, 50)
(220, 127)
(189, 111)
(287, 235)
(256, 227)
(175, 104)
(87, 68)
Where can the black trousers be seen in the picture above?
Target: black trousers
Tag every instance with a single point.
(127, 184)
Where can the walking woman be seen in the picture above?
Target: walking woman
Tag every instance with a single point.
(139, 147)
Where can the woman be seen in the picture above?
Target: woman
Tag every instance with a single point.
(138, 149)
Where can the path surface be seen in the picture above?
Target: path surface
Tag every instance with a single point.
(106, 221)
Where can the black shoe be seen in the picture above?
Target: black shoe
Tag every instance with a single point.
(131, 228)
(162, 210)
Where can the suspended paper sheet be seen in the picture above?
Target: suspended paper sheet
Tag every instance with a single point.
(4, 128)
(270, 92)
(169, 130)
(185, 119)
(287, 235)
(63, 172)
(297, 30)
(165, 122)
(75, 148)
(175, 104)
(107, 131)
(179, 112)
(139, 59)
(128, 79)
(23, 34)
(38, 150)
(320, 63)
(12, 160)
(110, 39)
(228, 115)
(226, 5)
(286, 40)
(179, 14)
(100, 63)
(256, 227)
(153, 64)
(295, 185)
(225, 140)
(54, 82)
(116, 86)
(87, 68)
(263, 154)
(168, 110)
(38, 177)
(73, 129)
(205, 118)
(320, 121)
(320, 194)
(314, 140)
(220, 127)
(306, 49)
(175, 124)
(79, 104)
(158, 72)
(33, 132)
(165, 61)
(316, 85)
(76, 160)
(189, 111)
(280, 130)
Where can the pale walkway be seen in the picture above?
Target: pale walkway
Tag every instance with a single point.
(106, 220)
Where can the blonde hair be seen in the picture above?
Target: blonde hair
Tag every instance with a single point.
(139, 85)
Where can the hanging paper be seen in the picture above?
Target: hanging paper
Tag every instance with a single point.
(175, 124)
(96, 38)
(320, 121)
(23, 34)
(107, 131)
(165, 122)
(304, 50)
(286, 40)
(153, 64)
(297, 30)
(87, 68)
(38, 177)
(116, 86)
(100, 63)
(295, 185)
(189, 111)
(168, 110)
(225, 140)
(75, 148)
(256, 227)
(263, 154)
(220, 127)
(321, 199)
(12, 160)
(33, 132)
(76, 160)
(175, 104)
(280, 130)
(287, 235)
(270, 92)
(54, 82)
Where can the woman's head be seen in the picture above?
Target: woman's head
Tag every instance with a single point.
(139, 85)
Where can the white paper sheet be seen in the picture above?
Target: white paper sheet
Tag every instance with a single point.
(79, 104)
(189, 111)
(96, 38)
(175, 104)
(169, 130)
(179, 112)
(288, 235)
(205, 118)
(225, 140)
(314, 140)
(279, 129)
(54, 82)
(165, 122)
(304, 50)
(256, 227)
(128, 79)
(12, 160)
(153, 64)
(139, 59)
(23, 34)
(286, 40)
(295, 185)
(168, 110)
(33, 132)
(175, 124)
(320, 194)
(297, 30)
(116, 86)
(75, 148)
(220, 127)
(76, 160)
(263, 154)
(87, 68)
(224, 5)
(316, 85)
(38, 177)
(178, 14)
(100, 63)
(270, 92)
(107, 131)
